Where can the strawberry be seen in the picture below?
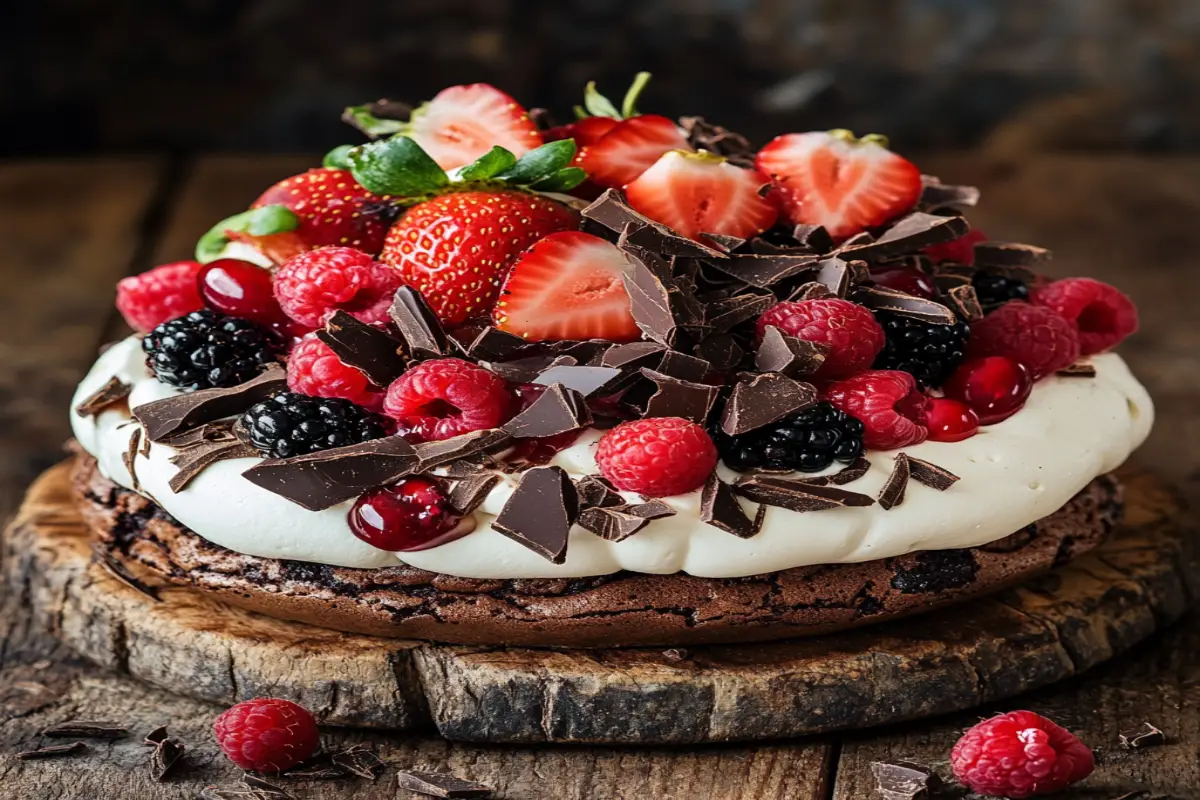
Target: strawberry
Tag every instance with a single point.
(462, 123)
(584, 131)
(568, 286)
(835, 180)
(698, 193)
(629, 149)
(457, 248)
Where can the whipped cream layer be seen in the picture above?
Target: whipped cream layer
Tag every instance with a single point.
(1012, 474)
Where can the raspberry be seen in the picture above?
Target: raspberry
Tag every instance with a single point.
(1018, 755)
(313, 285)
(161, 294)
(1103, 315)
(412, 514)
(447, 397)
(313, 369)
(960, 251)
(887, 402)
(657, 457)
(850, 330)
(266, 734)
(1035, 336)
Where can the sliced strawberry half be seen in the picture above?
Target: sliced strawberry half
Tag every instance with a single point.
(832, 179)
(698, 193)
(568, 286)
(629, 149)
(463, 122)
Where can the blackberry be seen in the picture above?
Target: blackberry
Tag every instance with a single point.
(204, 349)
(928, 352)
(807, 441)
(291, 424)
(994, 289)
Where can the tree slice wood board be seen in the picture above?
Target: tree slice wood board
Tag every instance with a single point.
(1047, 629)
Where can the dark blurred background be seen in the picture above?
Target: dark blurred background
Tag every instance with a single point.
(80, 76)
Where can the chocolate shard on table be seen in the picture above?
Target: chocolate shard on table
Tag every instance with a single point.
(882, 298)
(110, 394)
(540, 512)
(892, 493)
(321, 480)
(172, 415)
(762, 399)
(358, 760)
(469, 493)
(909, 233)
(156, 736)
(442, 785)
(795, 494)
(54, 751)
(167, 754)
(557, 410)
(1009, 254)
(931, 475)
(679, 398)
(720, 507)
(905, 780)
(87, 730)
(788, 355)
(431, 455)
(1146, 735)
(611, 211)
(418, 325)
(374, 352)
(264, 789)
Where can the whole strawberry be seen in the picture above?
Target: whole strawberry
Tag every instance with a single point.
(1019, 755)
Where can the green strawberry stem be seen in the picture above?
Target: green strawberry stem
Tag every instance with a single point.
(597, 105)
(338, 157)
(362, 118)
(262, 221)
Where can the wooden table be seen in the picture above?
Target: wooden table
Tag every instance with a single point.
(70, 229)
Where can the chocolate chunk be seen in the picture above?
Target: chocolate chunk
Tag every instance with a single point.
(763, 399)
(540, 512)
(788, 355)
(702, 135)
(463, 446)
(469, 493)
(682, 366)
(931, 475)
(905, 780)
(194, 460)
(650, 303)
(1009, 254)
(88, 730)
(935, 194)
(557, 410)
(720, 507)
(54, 751)
(892, 493)
(881, 298)
(651, 509)
(732, 311)
(721, 351)
(1145, 736)
(611, 211)
(834, 274)
(315, 772)
(527, 370)
(110, 394)
(813, 290)
(1079, 369)
(418, 325)
(359, 760)
(586, 381)
(813, 237)
(612, 524)
(763, 270)
(264, 789)
(633, 355)
(129, 457)
(493, 344)
(166, 755)
(913, 232)
(680, 398)
(156, 736)
(595, 491)
(965, 302)
(321, 480)
(172, 415)
(372, 351)
(441, 784)
(797, 494)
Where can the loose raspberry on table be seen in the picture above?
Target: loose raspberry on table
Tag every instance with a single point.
(850, 331)
(315, 370)
(164, 293)
(312, 285)
(447, 397)
(657, 457)
(1019, 755)
(889, 405)
(267, 734)
(1102, 313)
(1036, 336)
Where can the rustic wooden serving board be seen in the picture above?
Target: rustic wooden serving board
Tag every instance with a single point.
(1020, 639)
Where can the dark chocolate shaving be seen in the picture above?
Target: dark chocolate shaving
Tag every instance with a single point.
(612, 524)
(679, 398)
(813, 290)
(931, 475)
(470, 492)
(586, 381)
(848, 474)
(540, 512)
(611, 211)
(720, 507)
(908, 234)
(1009, 254)
(762, 270)
(316, 771)
(881, 298)
(905, 780)
(557, 410)
(54, 751)
(88, 730)
(935, 194)
(732, 311)
(1079, 369)
(172, 415)
(418, 325)
(1145, 736)
(704, 135)
(892, 493)
(110, 394)
(463, 446)
(788, 355)
(167, 754)
(129, 457)
(119, 572)
(368, 349)
(194, 460)
(595, 491)
(321, 480)
(264, 789)
(442, 785)
(493, 344)
(834, 274)
(797, 494)
(763, 399)
(359, 760)
(965, 302)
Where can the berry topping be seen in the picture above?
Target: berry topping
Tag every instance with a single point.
(849, 330)
(629, 149)
(159, 294)
(698, 193)
(312, 285)
(808, 441)
(240, 289)
(291, 424)
(845, 184)
(994, 289)
(204, 350)
(267, 734)
(568, 286)
(1036, 336)
(657, 457)
(412, 514)
(446, 397)
(958, 251)
(887, 403)
(457, 249)
(906, 279)
(1020, 754)
(995, 387)
(461, 123)
(314, 369)
(584, 131)
(1103, 315)
(950, 420)
(928, 352)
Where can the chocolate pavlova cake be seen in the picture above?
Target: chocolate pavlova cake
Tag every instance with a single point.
(624, 381)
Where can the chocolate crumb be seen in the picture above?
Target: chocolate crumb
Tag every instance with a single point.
(469, 493)
(373, 352)
(53, 751)
(173, 415)
(763, 399)
(905, 780)
(675, 654)
(110, 394)
(540, 512)
(442, 785)
(358, 760)
(92, 730)
(892, 493)
(931, 475)
(166, 755)
(1077, 370)
(1145, 736)
(418, 325)
(720, 507)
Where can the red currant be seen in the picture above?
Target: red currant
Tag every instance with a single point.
(995, 387)
(240, 289)
(906, 279)
(950, 420)
(412, 514)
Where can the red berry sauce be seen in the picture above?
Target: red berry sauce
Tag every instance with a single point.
(950, 420)
(410, 515)
(995, 387)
